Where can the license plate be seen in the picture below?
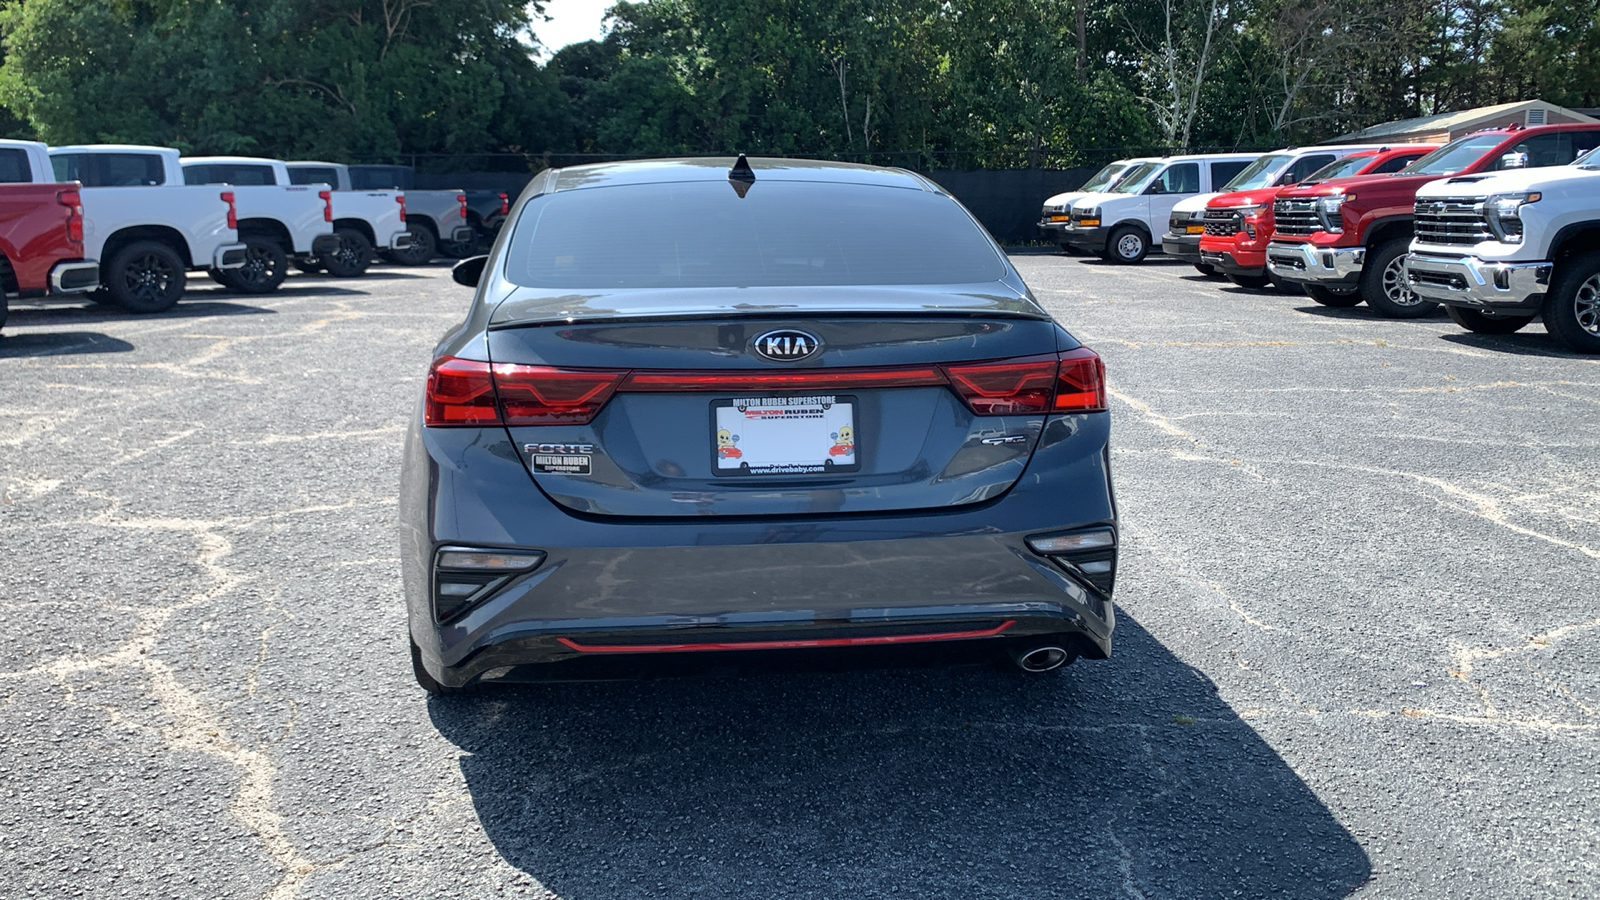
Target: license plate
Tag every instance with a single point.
(1197, 229)
(784, 435)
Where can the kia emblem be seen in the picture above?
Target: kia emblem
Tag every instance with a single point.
(787, 345)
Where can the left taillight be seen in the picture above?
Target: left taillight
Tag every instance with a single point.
(233, 213)
(327, 205)
(462, 199)
(464, 392)
(1073, 381)
(73, 201)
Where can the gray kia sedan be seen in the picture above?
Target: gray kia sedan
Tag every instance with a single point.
(727, 410)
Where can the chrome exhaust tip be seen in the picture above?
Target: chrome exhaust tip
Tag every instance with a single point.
(1041, 659)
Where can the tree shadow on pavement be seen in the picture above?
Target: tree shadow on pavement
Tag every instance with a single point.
(60, 343)
(1128, 776)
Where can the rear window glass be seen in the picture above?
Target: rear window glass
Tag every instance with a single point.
(378, 178)
(228, 173)
(702, 234)
(14, 168)
(109, 169)
(314, 175)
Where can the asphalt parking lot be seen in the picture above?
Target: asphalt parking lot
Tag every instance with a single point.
(1358, 651)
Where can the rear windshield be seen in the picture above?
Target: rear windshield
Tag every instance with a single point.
(379, 178)
(228, 173)
(1455, 156)
(702, 234)
(109, 169)
(1259, 174)
(14, 168)
(313, 175)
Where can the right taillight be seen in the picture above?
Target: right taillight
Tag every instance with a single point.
(1073, 381)
(327, 205)
(464, 392)
(73, 201)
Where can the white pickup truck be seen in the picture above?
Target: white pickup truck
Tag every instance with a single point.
(144, 225)
(399, 247)
(359, 215)
(1498, 249)
(277, 220)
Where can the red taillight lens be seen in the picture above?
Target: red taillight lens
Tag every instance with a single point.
(402, 201)
(460, 392)
(1081, 382)
(542, 395)
(1073, 381)
(1012, 386)
(465, 392)
(462, 199)
(327, 205)
(73, 201)
(505, 204)
(233, 214)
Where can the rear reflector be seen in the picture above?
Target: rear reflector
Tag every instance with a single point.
(467, 392)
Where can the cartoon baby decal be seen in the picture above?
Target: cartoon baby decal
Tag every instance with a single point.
(725, 444)
(844, 441)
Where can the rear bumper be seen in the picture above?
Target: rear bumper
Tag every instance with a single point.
(1472, 282)
(324, 244)
(1333, 267)
(463, 234)
(1181, 246)
(74, 277)
(228, 256)
(940, 578)
(400, 240)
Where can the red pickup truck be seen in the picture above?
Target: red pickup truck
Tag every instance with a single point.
(41, 242)
(1345, 240)
(1239, 224)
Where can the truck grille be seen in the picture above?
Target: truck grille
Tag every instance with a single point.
(1295, 218)
(1451, 220)
(1223, 222)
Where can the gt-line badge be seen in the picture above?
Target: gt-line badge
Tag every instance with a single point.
(561, 459)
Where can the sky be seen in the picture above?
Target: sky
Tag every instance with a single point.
(571, 21)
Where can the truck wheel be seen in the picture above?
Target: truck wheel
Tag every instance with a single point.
(146, 277)
(219, 276)
(1253, 282)
(1572, 307)
(353, 256)
(1383, 283)
(421, 252)
(1128, 245)
(1479, 323)
(1336, 299)
(265, 267)
(462, 249)
(1206, 269)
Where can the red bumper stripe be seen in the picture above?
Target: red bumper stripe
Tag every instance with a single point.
(789, 645)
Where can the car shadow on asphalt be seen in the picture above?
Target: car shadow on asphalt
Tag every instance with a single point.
(91, 313)
(1534, 341)
(1362, 313)
(1128, 776)
(59, 343)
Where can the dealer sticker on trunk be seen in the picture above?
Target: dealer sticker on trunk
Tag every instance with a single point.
(560, 459)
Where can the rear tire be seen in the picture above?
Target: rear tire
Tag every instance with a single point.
(352, 257)
(463, 249)
(426, 681)
(1384, 287)
(1336, 299)
(146, 277)
(1253, 282)
(265, 267)
(1205, 269)
(1128, 245)
(1572, 307)
(1478, 323)
(424, 246)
